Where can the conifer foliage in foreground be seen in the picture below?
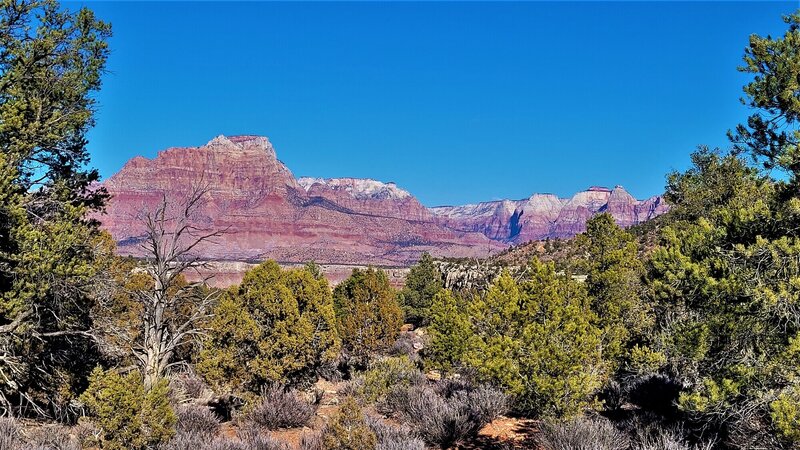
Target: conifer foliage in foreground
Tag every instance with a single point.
(683, 333)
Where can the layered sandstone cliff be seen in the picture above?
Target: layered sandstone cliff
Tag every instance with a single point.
(545, 216)
(266, 212)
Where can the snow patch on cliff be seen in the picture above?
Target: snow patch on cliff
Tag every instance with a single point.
(483, 209)
(243, 142)
(360, 188)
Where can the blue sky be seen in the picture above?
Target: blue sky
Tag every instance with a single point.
(456, 102)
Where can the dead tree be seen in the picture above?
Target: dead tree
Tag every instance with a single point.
(170, 244)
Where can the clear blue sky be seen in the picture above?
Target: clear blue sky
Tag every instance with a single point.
(456, 102)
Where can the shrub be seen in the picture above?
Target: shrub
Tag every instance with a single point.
(581, 434)
(448, 387)
(487, 403)
(353, 388)
(311, 441)
(10, 436)
(196, 419)
(348, 430)
(248, 441)
(277, 326)
(368, 315)
(267, 443)
(538, 341)
(51, 437)
(785, 414)
(388, 373)
(393, 438)
(188, 385)
(255, 439)
(404, 345)
(46, 437)
(332, 370)
(193, 441)
(394, 401)
(129, 418)
(87, 432)
(158, 417)
(665, 439)
(280, 408)
(438, 421)
(423, 282)
(447, 421)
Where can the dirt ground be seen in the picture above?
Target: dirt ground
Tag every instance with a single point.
(504, 433)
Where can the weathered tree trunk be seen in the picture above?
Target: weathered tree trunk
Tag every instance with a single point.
(170, 240)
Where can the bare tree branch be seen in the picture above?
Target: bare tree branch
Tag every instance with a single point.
(172, 312)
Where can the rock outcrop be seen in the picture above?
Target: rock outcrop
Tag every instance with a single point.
(366, 196)
(545, 216)
(266, 212)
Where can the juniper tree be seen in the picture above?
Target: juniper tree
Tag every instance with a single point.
(538, 340)
(423, 282)
(450, 330)
(367, 312)
(51, 62)
(614, 286)
(277, 326)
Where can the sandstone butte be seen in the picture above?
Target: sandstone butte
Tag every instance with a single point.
(267, 213)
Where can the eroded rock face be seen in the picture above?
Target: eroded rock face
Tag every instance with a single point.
(266, 212)
(367, 196)
(546, 216)
(492, 219)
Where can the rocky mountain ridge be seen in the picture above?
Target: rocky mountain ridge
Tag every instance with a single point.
(268, 213)
(543, 216)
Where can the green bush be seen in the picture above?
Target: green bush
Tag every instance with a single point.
(423, 282)
(349, 430)
(278, 326)
(537, 339)
(785, 413)
(450, 330)
(368, 314)
(128, 417)
(386, 374)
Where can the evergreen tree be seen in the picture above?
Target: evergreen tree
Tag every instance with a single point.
(277, 326)
(537, 339)
(368, 314)
(614, 286)
(51, 61)
(725, 275)
(423, 282)
(450, 330)
(128, 417)
(771, 134)
(724, 295)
